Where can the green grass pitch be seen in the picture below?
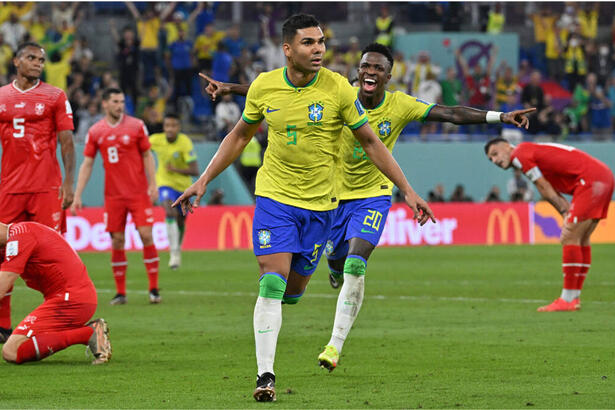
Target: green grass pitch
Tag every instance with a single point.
(440, 327)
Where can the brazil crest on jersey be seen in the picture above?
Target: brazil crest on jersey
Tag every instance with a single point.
(358, 177)
(305, 124)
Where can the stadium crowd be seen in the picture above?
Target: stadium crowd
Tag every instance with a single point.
(159, 47)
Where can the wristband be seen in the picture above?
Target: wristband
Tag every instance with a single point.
(493, 117)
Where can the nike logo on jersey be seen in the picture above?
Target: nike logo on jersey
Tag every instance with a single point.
(20, 105)
(265, 331)
(366, 231)
(272, 110)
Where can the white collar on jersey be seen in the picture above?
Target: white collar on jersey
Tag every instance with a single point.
(25, 91)
(117, 123)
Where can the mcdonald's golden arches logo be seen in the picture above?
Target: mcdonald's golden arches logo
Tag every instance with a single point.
(504, 219)
(236, 222)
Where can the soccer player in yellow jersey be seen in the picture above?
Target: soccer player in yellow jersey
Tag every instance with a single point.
(305, 107)
(177, 164)
(364, 193)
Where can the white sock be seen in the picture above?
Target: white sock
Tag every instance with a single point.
(570, 294)
(173, 235)
(267, 324)
(348, 305)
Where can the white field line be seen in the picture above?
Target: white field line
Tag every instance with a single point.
(368, 297)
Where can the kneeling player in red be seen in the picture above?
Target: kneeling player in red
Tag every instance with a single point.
(47, 263)
(558, 169)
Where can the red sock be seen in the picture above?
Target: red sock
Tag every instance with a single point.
(572, 262)
(5, 310)
(40, 346)
(118, 266)
(150, 259)
(587, 262)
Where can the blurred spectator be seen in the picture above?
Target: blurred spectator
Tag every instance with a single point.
(524, 72)
(266, 21)
(233, 41)
(156, 99)
(152, 119)
(38, 26)
(512, 133)
(128, 57)
(87, 117)
(451, 96)
(600, 61)
(611, 96)
(437, 194)
(13, 31)
(575, 63)
(148, 26)
(180, 22)
(81, 50)
(221, 65)
(217, 197)
(181, 63)
(271, 53)
(63, 12)
(552, 44)
(431, 92)
(459, 195)
(493, 195)
(249, 162)
(338, 65)
(6, 58)
(227, 115)
(451, 14)
(399, 73)
(478, 81)
(587, 16)
(496, 19)
(505, 85)
(533, 96)
(384, 27)
(549, 120)
(518, 188)
(205, 45)
(580, 106)
(206, 15)
(599, 110)
(57, 69)
(418, 71)
(352, 57)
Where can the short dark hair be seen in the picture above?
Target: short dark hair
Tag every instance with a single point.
(111, 90)
(296, 22)
(171, 115)
(492, 141)
(380, 49)
(25, 45)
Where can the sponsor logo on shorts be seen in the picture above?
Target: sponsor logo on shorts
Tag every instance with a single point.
(264, 238)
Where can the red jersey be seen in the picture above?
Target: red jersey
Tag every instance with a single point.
(565, 167)
(29, 123)
(121, 147)
(45, 261)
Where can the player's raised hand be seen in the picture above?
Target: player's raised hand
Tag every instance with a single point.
(67, 195)
(518, 118)
(76, 205)
(422, 211)
(215, 88)
(183, 201)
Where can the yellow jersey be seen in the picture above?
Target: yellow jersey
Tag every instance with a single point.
(304, 124)
(179, 154)
(358, 177)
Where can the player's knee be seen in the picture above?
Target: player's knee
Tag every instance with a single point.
(355, 265)
(117, 240)
(272, 285)
(291, 299)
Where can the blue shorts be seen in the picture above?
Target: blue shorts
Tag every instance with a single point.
(166, 193)
(281, 228)
(357, 218)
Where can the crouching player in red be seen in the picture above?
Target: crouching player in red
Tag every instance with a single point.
(558, 169)
(47, 263)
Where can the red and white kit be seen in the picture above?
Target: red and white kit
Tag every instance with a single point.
(30, 178)
(121, 147)
(569, 171)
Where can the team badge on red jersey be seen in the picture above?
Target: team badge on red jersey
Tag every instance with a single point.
(126, 139)
(39, 108)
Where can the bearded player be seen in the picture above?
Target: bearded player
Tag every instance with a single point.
(558, 169)
(130, 186)
(34, 116)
